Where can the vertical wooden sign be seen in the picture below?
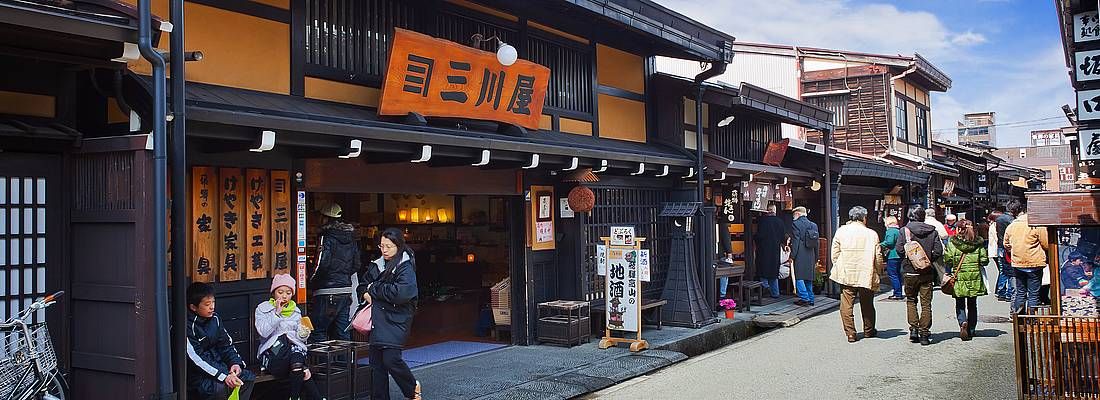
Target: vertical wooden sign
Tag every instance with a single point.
(256, 227)
(542, 218)
(204, 232)
(280, 222)
(231, 245)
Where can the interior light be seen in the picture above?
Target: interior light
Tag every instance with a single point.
(441, 215)
(415, 215)
(403, 215)
(471, 258)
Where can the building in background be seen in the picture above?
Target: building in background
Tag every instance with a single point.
(1055, 158)
(980, 128)
(1050, 137)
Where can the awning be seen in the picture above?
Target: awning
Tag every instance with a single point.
(856, 167)
(19, 135)
(100, 19)
(760, 101)
(715, 163)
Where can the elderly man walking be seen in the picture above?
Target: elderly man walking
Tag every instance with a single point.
(856, 265)
(804, 235)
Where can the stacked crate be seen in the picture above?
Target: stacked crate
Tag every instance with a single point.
(500, 300)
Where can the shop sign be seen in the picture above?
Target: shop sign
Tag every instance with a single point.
(280, 222)
(440, 78)
(231, 196)
(205, 228)
(601, 259)
(776, 151)
(563, 206)
(1087, 65)
(623, 290)
(301, 258)
(622, 235)
(542, 218)
(948, 187)
(729, 207)
(783, 193)
(758, 194)
(1086, 27)
(257, 225)
(1089, 142)
(1088, 105)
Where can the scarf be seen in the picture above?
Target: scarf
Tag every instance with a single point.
(288, 310)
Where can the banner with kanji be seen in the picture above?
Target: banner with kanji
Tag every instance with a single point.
(439, 78)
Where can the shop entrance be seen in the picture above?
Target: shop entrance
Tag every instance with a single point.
(461, 236)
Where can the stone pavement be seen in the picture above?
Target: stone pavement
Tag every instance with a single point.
(814, 360)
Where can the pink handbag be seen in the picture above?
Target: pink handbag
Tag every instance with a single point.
(362, 321)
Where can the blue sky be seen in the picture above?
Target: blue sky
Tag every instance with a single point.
(1002, 55)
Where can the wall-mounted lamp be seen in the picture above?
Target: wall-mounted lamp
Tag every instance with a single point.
(815, 185)
(267, 142)
(471, 258)
(506, 53)
(726, 121)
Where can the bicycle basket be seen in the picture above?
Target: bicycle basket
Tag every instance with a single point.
(17, 359)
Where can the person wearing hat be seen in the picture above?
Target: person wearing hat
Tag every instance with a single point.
(332, 282)
(804, 245)
(282, 352)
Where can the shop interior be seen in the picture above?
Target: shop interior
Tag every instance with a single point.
(461, 247)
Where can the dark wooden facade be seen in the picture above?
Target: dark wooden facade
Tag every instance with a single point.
(866, 128)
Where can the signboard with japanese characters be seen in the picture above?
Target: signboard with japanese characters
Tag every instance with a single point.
(541, 234)
(231, 195)
(301, 245)
(440, 78)
(1087, 65)
(280, 222)
(563, 207)
(256, 230)
(758, 194)
(601, 259)
(622, 235)
(1089, 142)
(643, 265)
(1086, 27)
(1088, 105)
(204, 232)
(623, 294)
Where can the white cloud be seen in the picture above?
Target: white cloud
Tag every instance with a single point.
(968, 38)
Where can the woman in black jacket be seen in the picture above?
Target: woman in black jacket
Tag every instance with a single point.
(392, 291)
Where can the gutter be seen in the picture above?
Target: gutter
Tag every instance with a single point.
(705, 256)
(160, 203)
(179, 192)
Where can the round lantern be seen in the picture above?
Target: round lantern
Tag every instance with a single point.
(581, 199)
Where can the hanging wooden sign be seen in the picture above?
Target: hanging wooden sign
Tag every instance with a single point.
(256, 228)
(231, 219)
(280, 222)
(204, 228)
(439, 78)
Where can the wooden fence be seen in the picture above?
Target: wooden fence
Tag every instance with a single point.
(1057, 357)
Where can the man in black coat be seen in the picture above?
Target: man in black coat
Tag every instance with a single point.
(332, 283)
(769, 237)
(918, 282)
(804, 245)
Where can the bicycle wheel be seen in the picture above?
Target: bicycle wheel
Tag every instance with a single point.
(55, 389)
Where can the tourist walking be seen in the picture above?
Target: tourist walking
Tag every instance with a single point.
(391, 290)
(1027, 247)
(920, 268)
(857, 261)
(767, 241)
(804, 245)
(1003, 256)
(951, 225)
(332, 282)
(1003, 290)
(969, 254)
(893, 259)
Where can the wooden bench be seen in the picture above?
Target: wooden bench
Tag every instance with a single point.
(599, 308)
(736, 275)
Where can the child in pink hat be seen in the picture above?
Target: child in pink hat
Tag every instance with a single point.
(283, 349)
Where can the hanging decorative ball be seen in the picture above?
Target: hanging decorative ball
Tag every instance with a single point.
(581, 199)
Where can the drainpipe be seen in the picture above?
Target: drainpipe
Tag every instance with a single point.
(160, 206)
(179, 197)
(717, 67)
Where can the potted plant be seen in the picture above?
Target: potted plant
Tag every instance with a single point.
(730, 305)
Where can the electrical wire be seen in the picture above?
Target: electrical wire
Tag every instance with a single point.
(1014, 124)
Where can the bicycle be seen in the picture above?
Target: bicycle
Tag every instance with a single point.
(28, 364)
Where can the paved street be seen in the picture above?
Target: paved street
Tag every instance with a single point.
(814, 360)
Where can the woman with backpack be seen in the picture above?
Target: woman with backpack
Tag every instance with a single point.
(392, 292)
(968, 255)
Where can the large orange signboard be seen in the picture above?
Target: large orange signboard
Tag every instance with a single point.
(439, 78)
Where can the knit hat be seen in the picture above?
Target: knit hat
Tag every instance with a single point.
(332, 210)
(281, 280)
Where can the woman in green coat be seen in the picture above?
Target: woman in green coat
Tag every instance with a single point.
(970, 248)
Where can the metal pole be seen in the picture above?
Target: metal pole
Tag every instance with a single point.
(826, 139)
(700, 193)
(179, 199)
(160, 206)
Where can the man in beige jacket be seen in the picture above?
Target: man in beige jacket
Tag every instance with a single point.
(1027, 246)
(857, 263)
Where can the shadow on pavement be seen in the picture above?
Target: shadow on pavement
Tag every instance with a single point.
(892, 333)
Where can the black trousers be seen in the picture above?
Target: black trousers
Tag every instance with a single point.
(384, 363)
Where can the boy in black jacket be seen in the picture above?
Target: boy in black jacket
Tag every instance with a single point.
(215, 368)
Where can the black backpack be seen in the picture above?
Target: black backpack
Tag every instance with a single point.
(810, 237)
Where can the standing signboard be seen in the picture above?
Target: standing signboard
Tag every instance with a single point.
(204, 234)
(623, 287)
(231, 196)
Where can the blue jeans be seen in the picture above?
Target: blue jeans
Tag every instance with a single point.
(330, 315)
(805, 289)
(893, 269)
(966, 310)
(723, 285)
(1005, 286)
(772, 284)
(1028, 282)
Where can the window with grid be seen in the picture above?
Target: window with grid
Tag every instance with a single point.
(637, 207)
(922, 126)
(901, 118)
(22, 244)
(570, 85)
(837, 104)
(350, 39)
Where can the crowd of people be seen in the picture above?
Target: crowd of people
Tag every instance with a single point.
(926, 253)
(340, 287)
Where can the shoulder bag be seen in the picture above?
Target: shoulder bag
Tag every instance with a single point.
(948, 287)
